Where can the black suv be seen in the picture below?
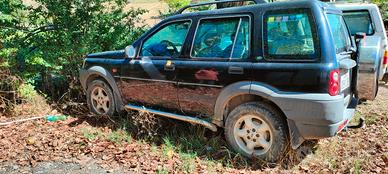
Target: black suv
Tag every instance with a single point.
(271, 75)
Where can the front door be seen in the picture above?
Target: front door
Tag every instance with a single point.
(219, 56)
(150, 78)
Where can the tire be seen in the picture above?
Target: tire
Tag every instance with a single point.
(100, 98)
(377, 88)
(269, 132)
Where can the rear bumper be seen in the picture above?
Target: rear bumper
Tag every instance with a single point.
(317, 131)
(315, 116)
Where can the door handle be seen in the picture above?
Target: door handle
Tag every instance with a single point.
(236, 70)
(169, 66)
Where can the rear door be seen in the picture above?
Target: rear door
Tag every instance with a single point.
(343, 43)
(369, 21)
(218, 56)
(291, 52)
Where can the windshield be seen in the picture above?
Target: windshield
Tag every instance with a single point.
(358, 21)
(340, 32)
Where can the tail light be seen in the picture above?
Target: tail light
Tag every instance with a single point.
(385, 59)
(334, 82)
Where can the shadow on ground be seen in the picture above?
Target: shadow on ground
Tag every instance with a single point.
(384, 85)
(190, 139)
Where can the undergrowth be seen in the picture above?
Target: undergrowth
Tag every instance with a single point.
(169, 138)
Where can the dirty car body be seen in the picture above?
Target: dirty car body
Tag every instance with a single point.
(184, 67)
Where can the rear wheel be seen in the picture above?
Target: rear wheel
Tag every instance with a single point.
(377, 87)
(100, 98)
(257, 130)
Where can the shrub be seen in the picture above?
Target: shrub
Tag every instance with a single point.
(51, 38)
(174, 6)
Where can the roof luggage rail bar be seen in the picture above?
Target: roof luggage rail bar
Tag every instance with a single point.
(217, 2)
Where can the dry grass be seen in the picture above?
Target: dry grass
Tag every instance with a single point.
(153, 7)
(150, 18)
(36, 106)
(180, 147)
(362, 150)
(355, 151)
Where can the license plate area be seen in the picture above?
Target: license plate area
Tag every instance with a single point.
(345, 81)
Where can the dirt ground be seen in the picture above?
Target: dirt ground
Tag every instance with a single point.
(109, 145)
(91, 145)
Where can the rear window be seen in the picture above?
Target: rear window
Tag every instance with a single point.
(290, 35)
(340, 33)
(359, 21)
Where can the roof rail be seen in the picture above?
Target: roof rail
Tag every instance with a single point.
(217, 2)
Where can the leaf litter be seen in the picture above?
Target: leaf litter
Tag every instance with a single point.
(92, 141)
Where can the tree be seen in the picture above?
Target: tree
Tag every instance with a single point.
(52, 37)
(383, 5)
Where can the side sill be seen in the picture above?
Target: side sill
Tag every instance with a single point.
(189, 119)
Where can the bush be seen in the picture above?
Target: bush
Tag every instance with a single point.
(51, 39)
(383, 5)
(174, 6)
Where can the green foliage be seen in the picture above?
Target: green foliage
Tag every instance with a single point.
(53, 36)
(161, 170)
(91, 133)
(188, 162)
(27, 91)
(357, 166)
(119, 136)
(174, 6)
(383, 5)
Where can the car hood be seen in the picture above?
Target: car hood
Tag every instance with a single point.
(108, 54)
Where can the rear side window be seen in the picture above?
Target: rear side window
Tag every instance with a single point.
(222, 38)
(340, 33)
(359, 21)
(290, 35)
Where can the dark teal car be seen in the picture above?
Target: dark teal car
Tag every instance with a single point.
(272, 75)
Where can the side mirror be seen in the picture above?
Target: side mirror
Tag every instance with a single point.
(360, 35)
(130, 52)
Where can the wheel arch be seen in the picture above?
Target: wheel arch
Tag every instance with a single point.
(98, 72)
(238, 93)
(243, 92)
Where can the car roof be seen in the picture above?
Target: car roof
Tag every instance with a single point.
(260, 7)
(356, 6)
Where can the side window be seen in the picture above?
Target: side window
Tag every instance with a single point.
(359, 21)
(222, 38)
(340, 32)
(167, 42)
(290, 35)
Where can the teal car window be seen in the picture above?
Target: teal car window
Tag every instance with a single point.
(340, 32)
(167, 42)
(222, 38)
(358, 21)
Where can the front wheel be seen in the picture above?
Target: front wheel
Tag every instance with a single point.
(257, 130)
(100, 98)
